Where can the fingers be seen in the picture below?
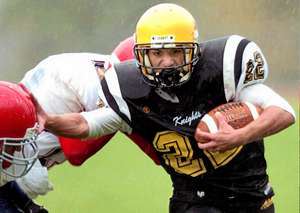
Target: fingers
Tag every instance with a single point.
(201, 136)
(218, 141)
(211, 145)
(206, 141)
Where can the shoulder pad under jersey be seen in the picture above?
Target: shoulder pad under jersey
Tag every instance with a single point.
(122, 82)
(241, 61)
(131, 80)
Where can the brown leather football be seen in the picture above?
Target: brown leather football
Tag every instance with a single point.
(237, 115)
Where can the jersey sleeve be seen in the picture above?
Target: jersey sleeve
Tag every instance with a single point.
(243, 65)
(254, 67)
(263, 96)
(104, 121)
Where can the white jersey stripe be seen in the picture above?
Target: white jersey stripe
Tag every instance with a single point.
(228, 65)
(114, 88)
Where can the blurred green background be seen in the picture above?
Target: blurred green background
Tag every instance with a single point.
(120, 178)
(32, 30)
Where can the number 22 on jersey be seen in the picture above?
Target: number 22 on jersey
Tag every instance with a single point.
(178, 153)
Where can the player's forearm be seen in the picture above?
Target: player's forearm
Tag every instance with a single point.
(68, 125)
(272, 120)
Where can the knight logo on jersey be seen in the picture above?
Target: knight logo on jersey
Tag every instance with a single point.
(182, 120)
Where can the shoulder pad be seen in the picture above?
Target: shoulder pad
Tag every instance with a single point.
(241, 61)
(131, 80)
(254, 66)
(212, 52)
(210, 47)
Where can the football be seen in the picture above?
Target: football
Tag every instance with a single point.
(237, 115)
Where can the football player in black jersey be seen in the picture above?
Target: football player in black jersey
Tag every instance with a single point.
(163, 95)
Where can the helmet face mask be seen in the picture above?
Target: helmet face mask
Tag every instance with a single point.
(166, 26)
(19, 154)
(171, 76)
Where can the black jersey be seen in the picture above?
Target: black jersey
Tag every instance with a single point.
(168, 118)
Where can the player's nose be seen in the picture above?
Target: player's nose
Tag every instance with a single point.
(168, 61)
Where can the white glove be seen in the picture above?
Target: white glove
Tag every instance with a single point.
(36, 181)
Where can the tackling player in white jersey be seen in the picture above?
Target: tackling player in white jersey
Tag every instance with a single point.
(61, 83)
(68, 83)
(18, 150)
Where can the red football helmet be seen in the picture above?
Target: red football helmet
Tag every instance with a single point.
(18, 130)
(124, 51)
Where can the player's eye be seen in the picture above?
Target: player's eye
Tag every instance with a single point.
(177, 51)
(156, 52)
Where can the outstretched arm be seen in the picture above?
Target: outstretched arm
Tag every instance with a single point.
(92, 124)
(67, 125)
(71, 124)
(95, 124)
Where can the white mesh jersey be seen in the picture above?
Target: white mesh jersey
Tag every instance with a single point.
(61, 83)
(64, 83)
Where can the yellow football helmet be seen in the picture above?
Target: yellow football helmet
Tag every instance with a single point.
(166, 26)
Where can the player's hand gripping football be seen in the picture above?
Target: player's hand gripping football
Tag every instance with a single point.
(221, 128)
(224, 139)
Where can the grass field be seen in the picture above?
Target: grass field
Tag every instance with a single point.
(121, 179)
